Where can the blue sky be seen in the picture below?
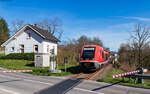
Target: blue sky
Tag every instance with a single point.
(110, 20)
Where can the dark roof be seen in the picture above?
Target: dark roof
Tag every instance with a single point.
(45, 33)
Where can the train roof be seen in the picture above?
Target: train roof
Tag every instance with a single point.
(106, 51)
(91, 46)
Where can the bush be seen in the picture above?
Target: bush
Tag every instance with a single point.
(1, 55)
(19, 56)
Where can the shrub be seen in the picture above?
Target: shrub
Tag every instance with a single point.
(1, 55)
(20, 56)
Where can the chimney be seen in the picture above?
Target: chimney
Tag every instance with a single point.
(35, 25)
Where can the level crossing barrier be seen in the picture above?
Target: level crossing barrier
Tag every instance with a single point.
(139, 77)
(125, 74)
(9, 71)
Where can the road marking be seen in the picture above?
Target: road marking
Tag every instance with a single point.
(10, 77)
(27, 80)
(9, 91)
(50, 84)
(73, 88)
(38, 82)
(88, 91)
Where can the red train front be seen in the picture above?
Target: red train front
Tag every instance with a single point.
(92, 57)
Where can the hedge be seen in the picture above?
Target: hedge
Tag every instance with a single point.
(19, 56)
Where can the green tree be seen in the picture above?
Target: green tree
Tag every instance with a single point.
(72, 48)
(136, 52)
(4, 31)
(140, 38)
(84, 40)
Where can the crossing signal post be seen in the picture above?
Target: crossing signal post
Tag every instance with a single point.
(65, 61)
(140, 79)
(52, 60)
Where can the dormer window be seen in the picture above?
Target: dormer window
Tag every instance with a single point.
(28, 35)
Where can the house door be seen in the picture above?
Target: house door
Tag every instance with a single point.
(38, 61)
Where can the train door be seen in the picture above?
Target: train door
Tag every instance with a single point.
(103, 56)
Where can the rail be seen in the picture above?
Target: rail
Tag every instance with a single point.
(92, 76)
(88, 76)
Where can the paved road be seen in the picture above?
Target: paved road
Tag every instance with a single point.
(20, 83)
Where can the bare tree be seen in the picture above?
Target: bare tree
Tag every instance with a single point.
(140, 38)
(52, 25)
(17, 24)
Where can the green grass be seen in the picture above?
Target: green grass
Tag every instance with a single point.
(24, 65)
(108, 78)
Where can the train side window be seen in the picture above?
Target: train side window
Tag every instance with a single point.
(102, 54)
(106, 56)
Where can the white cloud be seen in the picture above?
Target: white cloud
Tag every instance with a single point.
(112, 36)
(137, 18)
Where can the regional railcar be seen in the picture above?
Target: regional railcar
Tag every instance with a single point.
(93, 57)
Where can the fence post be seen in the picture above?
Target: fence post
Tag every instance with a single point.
(129, 78)
(135, 80)
(140, 79)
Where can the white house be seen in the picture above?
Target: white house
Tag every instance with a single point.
(31, 39)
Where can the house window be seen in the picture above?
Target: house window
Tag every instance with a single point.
(22, 48)
(36, 48)
(12, 49)
(52, 50)
(28, 35)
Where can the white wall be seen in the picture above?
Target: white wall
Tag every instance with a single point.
(35, 39)
(51, 45)
(28, 43)
(42, 60)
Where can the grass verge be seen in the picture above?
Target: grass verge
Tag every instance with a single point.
(27, 65)
(108, 78)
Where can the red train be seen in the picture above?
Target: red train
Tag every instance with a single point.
(92, 57)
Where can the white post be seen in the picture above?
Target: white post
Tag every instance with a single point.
(52, 62)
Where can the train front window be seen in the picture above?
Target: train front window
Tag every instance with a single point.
(88, 53)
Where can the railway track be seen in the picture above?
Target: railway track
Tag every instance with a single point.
(90, 76)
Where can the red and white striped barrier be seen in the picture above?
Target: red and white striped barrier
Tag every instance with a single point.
(124, 74)
(15, 71)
